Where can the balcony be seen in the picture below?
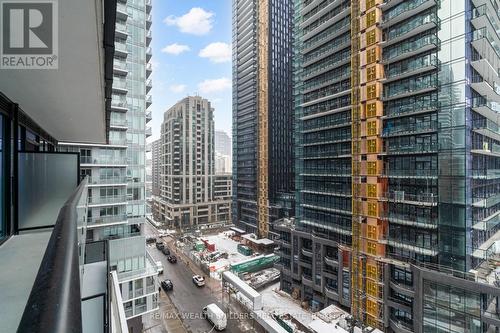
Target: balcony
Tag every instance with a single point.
(121, 30)
(413, 173)
(484, 43)
(149, 21)
(121, 49)
(120, 67)
(485, 108)
(149, 4)
(485, 200)
(149, 100)
(120, 86)
(409, 129)
(422, 199)
(405, 11)
(117, 123)
(482, 18)
(121, 11)
(411, 48)
(411, 67)
(413, 27)
(331, 293)
(119, 180)
(149, 132)
(331, 261)
(307, 280)
(400, 326)
(44, 264)
(103, 161)
(107, 201)
(426, 222)
(489, 89)
(420, 148)
(103, 221)
(149, 85)
(307, 252)
(149, 53)
(149, 116)
(118, 319)
(119, 105)
(487, 128)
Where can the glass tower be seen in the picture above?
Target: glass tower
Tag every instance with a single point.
(262, 113)
(396, 156)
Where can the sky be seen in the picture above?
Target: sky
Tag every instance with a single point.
(191, 55)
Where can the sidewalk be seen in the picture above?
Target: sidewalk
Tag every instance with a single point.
(165, 320)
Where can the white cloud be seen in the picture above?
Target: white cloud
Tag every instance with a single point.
(214, 86)
(177, 88)
(217, 52)
(196, 22)
(175, 49)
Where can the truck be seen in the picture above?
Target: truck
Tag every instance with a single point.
(216, 316)
(244, 250)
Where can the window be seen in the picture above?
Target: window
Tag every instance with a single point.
(372, 231)
(370, 4)
(370, 18)
(372, 145)
(372, 190)
(371, 288)
(371, 248)
(371, 56)
(372, 307)
(372, 127)
(372, 168)
(371, 110)
(371, 91)
(371, 272)
(371, 37)
(371, 73)
(372, 209)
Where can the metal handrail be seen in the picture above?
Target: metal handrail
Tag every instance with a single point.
(54, 304)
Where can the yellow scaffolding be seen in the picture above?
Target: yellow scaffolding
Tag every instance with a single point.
(368, 187)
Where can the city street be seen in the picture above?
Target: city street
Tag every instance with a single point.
(189, 299)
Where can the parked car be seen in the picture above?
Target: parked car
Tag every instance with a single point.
(216, 316)
(159, 267)
(167, 285)
(160, 245)
(172, 259)
(150, 240)
(198, 280)
(165, 251)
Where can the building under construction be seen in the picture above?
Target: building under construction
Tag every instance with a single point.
(397, 158)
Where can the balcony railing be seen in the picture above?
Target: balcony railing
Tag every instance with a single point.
(107, 200)
(118, 318)
(103, 160)
(107, 180)
(401, 196)
(54, 304)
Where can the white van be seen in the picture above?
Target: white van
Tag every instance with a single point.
(216, 316)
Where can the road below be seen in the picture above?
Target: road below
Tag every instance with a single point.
(189, 300)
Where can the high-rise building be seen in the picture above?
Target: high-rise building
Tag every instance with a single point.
(69, 270)
(116, 170)
(223, 143)
(187, 176)
(156, 165)
(223, 163)
(397, 136)
(263, 176)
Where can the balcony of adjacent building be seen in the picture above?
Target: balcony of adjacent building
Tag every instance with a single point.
(487, 128)
(487, 223)
(149, 69)
(149, 132)
(424, 221)
(420, 199)
(487, 87)
(111, 200)
(420, 127)
(404, 11)
(149, 5)
(149, 85)
(149, 21)
(485, 107)
(121, 30)
(121, 48)
(119, 103)
(485, 200)
(120, 86)
(411, 67)
(410, 48)
(412, 149)
(106, 220)
(120, 67)
(415, 26)
(485, 43)
(104, 180)
(104, 160)
(410, 86)
(118, 123)
(486, 16)
(149, 116)
(149, 37)
(149, 53)
(121, 11)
